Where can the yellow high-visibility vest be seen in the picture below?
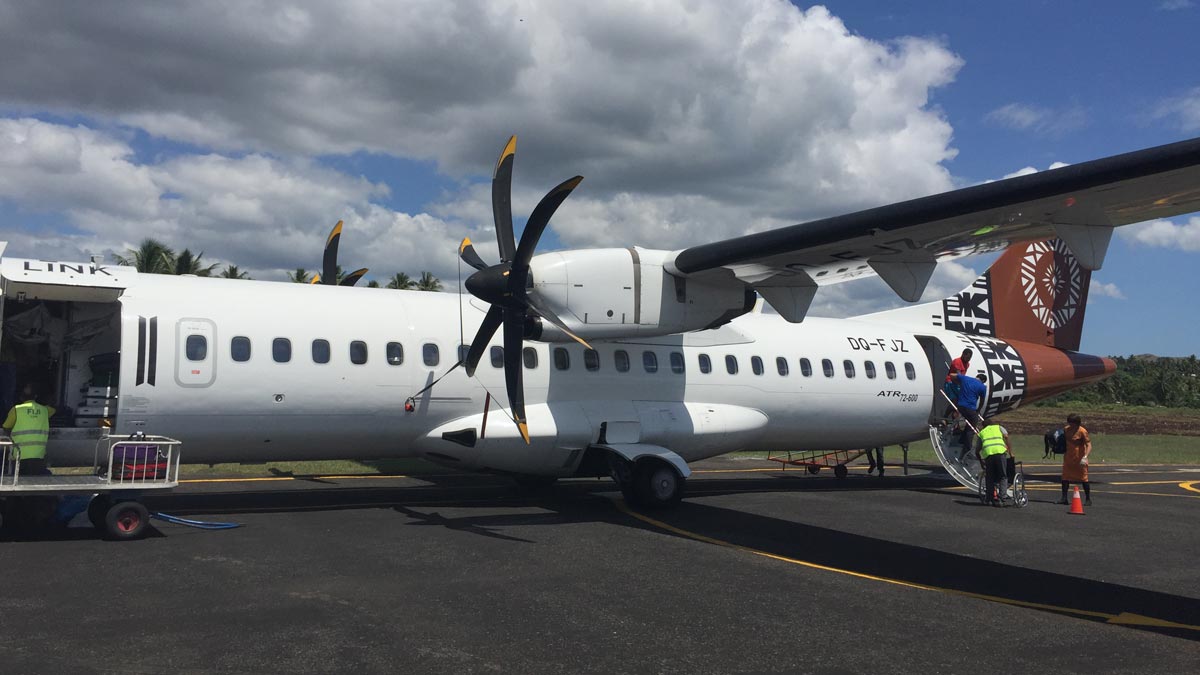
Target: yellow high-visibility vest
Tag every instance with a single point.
(992, 440)
(31, 430)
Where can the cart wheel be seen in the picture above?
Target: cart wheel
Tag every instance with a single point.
(98, 509)
(127, 520)
(840, 470)
(814, 469)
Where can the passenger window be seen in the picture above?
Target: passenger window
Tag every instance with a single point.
(621, 360)
(677, 363)
(827, 366)
(239, 348)
(591, 360)
(530, 357)
(497, 354)
(848, 366)
(358, 352)
(756, 365)
(910, 371)
(562, 360)
(806, 367)
(320, 351)
(196, 348)
(705, 364)
(890, 369)
(281, 350)
(869, 369)
(781, 365)
(650, 362)
(430, 354)
(463, 350)
(395, 353)
(731, 364)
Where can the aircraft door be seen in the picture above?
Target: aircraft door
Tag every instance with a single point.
(195, 352)
(939, 364)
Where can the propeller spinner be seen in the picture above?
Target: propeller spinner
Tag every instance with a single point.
(504, 285)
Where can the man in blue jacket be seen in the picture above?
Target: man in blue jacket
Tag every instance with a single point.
(973, 392)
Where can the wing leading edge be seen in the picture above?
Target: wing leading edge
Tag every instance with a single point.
(902, 242)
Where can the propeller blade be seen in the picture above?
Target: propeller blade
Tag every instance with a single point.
(536, 306)
(483, 336)
(353, 277)
(502, 201)
(329, 262)
(466, 251)
(538, 220)
(316, 279)
(514, 334)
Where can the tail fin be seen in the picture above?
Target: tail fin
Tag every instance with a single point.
(1034, 292)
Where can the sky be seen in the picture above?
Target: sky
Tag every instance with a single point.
(246, 130)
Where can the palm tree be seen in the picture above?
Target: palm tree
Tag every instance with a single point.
(429, 282)
(372, 284)
(401, 282)
(188, 263)
(232, 272)
(300, 276)
(151, 257)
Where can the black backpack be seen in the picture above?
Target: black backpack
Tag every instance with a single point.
(1060, 442)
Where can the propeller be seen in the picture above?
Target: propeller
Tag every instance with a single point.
(505, 285)
(329, 266)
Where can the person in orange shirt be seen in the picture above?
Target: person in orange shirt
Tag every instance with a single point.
(1075, 459)
(950, 386)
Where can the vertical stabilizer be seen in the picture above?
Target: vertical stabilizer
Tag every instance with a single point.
(1035, 292)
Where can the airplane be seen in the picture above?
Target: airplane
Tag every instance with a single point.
(625, 362)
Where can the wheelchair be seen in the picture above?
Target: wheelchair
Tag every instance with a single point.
(1017, 494)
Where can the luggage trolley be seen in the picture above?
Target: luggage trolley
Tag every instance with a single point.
(122, 469)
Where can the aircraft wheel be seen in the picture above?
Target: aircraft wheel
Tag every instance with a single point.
(98, 509)
(127, 520)
(814, 469)
(840, 471)
(657, 484)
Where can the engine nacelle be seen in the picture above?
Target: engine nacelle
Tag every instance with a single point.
(625, 292)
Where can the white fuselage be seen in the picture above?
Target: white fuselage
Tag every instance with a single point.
(257, 408)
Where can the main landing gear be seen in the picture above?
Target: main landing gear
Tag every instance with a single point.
(649, 483)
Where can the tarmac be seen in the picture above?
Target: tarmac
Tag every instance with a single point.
(758, 570)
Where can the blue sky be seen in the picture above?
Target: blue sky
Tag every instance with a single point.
(246, 131)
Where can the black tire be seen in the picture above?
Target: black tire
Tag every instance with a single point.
(814, 469)
(657, 485)
(840, 471)
(97, 510)
(127, 520)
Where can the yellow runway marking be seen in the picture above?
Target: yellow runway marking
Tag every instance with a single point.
(1125, 618)
(1190, 486)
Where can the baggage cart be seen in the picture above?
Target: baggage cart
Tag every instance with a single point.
(123, 469)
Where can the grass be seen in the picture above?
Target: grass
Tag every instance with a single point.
(1106, 449)
(407, 466)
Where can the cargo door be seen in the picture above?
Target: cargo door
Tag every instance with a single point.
(195, 352)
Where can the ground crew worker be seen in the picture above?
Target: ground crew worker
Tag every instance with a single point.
(993, 448)
(872, 453)
(28, 424)
(1075, 459)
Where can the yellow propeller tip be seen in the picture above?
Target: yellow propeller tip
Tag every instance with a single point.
(316, 279)
(465, 243)
(524, 428)
(510, 149)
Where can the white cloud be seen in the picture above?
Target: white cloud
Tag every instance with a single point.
(1038, 119)
(1165, 234)
(1174, 5)
(1025, 171)
(1098, 289)
(1183, 110)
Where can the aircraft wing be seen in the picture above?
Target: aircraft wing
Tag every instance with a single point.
(902, 242)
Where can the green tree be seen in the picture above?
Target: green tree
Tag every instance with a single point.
(372, 284)
(232, 272)
(151, 257)
(189, 263)
(401, 281)
(428, 282)
(300, 276)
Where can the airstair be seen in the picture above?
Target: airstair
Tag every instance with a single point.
(960, 464)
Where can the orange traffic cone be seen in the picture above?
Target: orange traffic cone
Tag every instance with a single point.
(1076, 504)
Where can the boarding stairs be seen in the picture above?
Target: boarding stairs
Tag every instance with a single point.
(959, 463)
